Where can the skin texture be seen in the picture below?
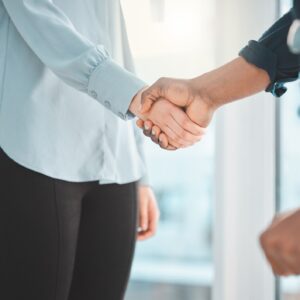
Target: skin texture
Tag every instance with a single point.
(202, 96)
(175, 123)
(148, 213)
(281, 243)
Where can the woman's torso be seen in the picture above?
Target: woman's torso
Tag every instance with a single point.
(49, 126)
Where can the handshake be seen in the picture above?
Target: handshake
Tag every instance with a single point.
(173, 112)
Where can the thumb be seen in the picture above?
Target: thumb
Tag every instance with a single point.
(149, 96)
(146, 105)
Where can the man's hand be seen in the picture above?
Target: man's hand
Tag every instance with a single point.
(281, 243)
(201, 96)
(182, 93)
(172, 120)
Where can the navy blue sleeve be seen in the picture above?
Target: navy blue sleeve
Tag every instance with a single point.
(272, 54)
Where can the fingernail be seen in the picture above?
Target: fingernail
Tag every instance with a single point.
(153, 132)
(146, 127)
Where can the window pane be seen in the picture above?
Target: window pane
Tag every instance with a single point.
(290, 163)
(175, 38)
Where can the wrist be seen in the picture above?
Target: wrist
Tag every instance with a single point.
(233, 81)
(136, 102)
(205, 91)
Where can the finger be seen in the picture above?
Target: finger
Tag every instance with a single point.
(143, 216)
(168, 130)
(290, 257)
(163, 141)
(147, 133)
(183, 136)
(271, 250)
(148, 125)
(171, 148)
(149, 96)
(292, 265)
(168, 143)
(174, 144)
(276, 264)
(148, 128)
(140, 123)
(150, 232)
(153, 219)
(186, 123)
(171, 135)
(146, 106)
(155, 134)
(156, 131)
(275, 257)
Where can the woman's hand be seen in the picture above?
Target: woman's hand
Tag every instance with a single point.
(157, 136)
(172, 120)
(148, 213)
(181, 132)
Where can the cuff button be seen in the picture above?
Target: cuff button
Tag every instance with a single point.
(94, 94)
(107, 104)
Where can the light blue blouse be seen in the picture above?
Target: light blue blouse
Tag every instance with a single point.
(64, 94)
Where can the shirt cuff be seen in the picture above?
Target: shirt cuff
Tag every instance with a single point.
(114, 87)
(257, 54)
(260, 56)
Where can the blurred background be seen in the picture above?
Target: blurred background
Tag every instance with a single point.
(182, 39)
(177, 263)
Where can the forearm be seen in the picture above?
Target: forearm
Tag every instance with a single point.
(236, 80)
(75, 59)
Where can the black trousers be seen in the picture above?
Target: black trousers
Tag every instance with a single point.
(61, 240)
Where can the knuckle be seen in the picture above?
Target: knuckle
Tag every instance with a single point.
(163, 79)
(146, 94)
(267, 240)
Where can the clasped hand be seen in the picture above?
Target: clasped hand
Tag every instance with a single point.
(173, 113)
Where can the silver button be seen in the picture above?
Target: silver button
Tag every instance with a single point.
(107, 104)
(94, 94)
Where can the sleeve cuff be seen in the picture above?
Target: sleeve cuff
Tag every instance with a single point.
(260, 56)
(257, 54)
(114, 87)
